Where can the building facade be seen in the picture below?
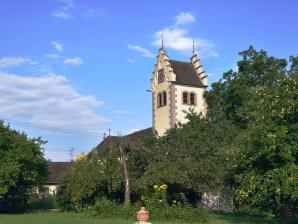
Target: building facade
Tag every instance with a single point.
(177, 87)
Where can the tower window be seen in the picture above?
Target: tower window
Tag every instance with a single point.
(164, 98)
(192, 99)
(161, 99)
(185, 97)
(189, 98)
(161, 76)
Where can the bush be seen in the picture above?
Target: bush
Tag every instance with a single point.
(46, 203)
(13, 204)
(178, 212)
(247, 211)
(106, 208)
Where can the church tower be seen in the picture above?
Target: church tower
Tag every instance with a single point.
(176, 87)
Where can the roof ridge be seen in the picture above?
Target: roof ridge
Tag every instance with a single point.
(180, 61)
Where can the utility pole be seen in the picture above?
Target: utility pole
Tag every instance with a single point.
(71, 154)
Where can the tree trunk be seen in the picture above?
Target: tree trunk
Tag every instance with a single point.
(127, 190)
(123, 159)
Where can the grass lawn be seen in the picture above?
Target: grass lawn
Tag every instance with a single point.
(73, 218)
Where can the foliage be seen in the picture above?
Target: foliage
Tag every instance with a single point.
(46, 203)
(79, 218)
(248, 140)
(22, 168)
(260, 99)
(267, 172)
(89, 180)
(106, 209)
(190, 159)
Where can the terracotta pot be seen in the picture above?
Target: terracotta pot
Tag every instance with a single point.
(142, 215)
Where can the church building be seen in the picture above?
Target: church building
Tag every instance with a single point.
(176, 88)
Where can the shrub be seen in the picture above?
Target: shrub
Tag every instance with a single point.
(13, 203)
(46, 203)
(106, 208)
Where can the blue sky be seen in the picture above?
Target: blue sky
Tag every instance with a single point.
(72, 69)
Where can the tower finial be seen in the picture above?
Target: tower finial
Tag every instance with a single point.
(162, 44)
(193, 47)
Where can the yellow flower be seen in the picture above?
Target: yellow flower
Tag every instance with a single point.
(163, 187)
(81, 156)
(160, 201)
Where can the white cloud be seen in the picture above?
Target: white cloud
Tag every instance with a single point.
(184, 18)
(65, 11)
(143, 51)
(61, 14)
(89, 12)
(177, 38)
(53, 56)
(57, 46)
(48, 101)
(69, 10)
(73, 61)
(15, 61)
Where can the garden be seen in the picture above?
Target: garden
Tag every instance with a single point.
(247, 143)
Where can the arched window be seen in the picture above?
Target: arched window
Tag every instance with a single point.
(192, 99)
(185, 97)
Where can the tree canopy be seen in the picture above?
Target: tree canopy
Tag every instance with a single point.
(261, 100)
(248, 140)
(22, 168)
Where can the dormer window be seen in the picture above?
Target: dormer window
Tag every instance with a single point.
(161, 76)
(161, 99)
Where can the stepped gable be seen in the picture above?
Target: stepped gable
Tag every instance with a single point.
(57, 171)
(185, 73)
(113, 141)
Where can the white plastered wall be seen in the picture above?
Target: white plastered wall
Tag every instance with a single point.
(199, 108)
(161, 115)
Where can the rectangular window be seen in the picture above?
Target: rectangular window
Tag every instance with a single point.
(192, 98)
(185, 98)
(161, 76)
(161, 99)
(164, 98)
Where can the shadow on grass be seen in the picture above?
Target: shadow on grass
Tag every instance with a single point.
(245, 219)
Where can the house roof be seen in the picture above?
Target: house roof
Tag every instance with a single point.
(113, 141)
(185, 73)
(57, 171)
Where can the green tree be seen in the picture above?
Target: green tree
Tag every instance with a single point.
(232, 92)
(22, 168)
(91, 179)
(267, 166)
(190, 158)
(260, 99)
